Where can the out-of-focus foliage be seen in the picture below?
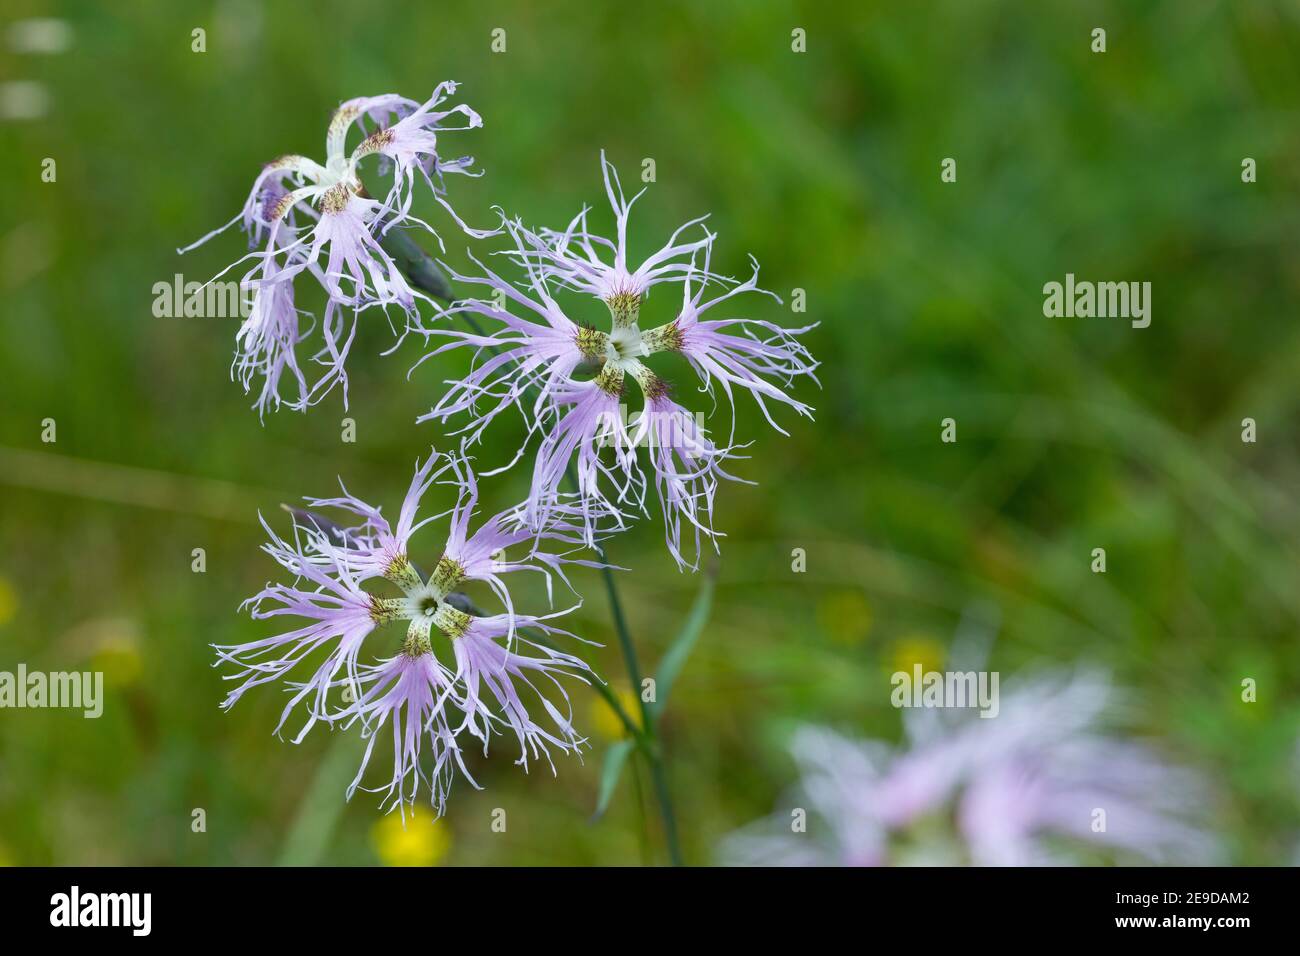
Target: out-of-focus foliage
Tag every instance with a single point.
(1073, 434)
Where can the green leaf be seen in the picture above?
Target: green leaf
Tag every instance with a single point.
(674, 658)
(615, 758)
(312, 830)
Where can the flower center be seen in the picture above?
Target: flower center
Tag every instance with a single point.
(624, 343)
(336, 167)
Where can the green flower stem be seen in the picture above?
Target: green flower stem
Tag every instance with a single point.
(423, 274)
(665, 799)
(647, 740)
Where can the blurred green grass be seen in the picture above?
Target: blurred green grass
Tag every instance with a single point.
(1073, 434)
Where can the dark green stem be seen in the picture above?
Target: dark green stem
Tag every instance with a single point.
(624, 636)
(647, 740)
(665, 798)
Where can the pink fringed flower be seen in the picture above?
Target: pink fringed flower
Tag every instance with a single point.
(406, 696)
(498, 682)
(499, 669)
(571, 381)
(306, 218)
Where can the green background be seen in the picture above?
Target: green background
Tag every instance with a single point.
(1073, 433)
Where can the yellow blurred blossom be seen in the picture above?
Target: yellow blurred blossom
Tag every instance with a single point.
(117, 652)
(422, 841)
(917, 649)
(603, 719)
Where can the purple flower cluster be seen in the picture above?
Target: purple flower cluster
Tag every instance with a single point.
(460, 674)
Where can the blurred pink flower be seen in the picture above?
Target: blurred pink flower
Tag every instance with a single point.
(1037, 785)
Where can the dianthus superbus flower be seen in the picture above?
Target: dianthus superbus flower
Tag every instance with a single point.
(454, 672)
(307, 218)
(572, 382)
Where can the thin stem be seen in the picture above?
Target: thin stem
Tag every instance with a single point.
(665, 798)
(647, 740)
(643, 831)
(624, 636)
